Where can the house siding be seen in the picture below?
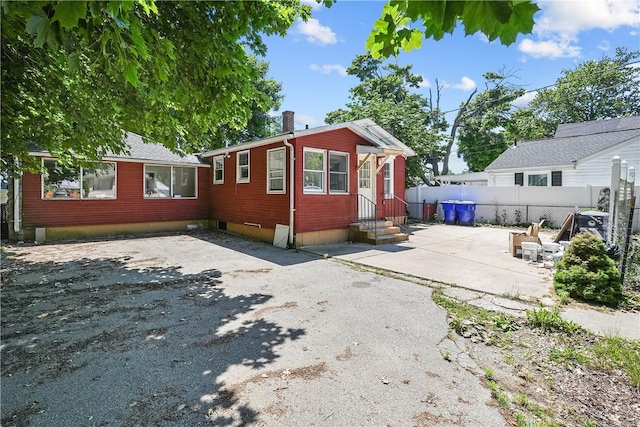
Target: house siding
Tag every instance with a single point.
(248, 202)
(130, 206)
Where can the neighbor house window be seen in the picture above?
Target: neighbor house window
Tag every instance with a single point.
(169, 181)
(519, 179)
(314, 170)
(218, 170)
(388, 179)
(243, 167)
(69, 183)
(556, 179)
(338, 173)
(537, 180)
(276, 170)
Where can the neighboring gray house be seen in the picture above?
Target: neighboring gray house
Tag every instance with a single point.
(579, 154)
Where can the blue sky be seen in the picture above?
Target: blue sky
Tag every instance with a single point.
(311, 60)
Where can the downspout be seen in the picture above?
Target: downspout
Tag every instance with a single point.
(292, 208)
(16, 204)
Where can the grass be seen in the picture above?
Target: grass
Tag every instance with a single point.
(550, 321)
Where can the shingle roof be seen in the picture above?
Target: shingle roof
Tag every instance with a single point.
(139, 150)
(574, 144)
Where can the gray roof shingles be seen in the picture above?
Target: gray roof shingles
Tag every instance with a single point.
(139, 150)
(572, 142)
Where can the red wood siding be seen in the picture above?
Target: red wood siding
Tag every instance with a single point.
(249, 202)
(327, 211)
(130, 206)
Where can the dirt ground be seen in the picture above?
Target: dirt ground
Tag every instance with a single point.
(211, 329)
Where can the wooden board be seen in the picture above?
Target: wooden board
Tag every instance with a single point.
(567, 227)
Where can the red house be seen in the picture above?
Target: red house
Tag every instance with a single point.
(298, 188)
(151, 189)
(308, 186)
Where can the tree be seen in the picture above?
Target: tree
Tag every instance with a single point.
(75, 74)
(384, 95)
(594, 90)
(482, 130)
(496, 19)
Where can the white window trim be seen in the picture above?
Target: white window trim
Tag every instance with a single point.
(284, 172)
(81, 175)
(172, 197)
(339, 153)
(248, 166)
(324, 170)
(527, 174)
(389, 162)
(218, 181)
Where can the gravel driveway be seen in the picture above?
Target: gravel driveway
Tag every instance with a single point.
(212, 329)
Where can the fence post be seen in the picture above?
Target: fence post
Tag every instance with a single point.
(613, 197)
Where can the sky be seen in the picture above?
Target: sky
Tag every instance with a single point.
(311, 61)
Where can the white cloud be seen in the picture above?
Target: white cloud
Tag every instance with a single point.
(466, 84)
(604, 45)
(303, 120)
(313, 3)
(315, 32)
(552, 49)
(574, 16)
(328, 68)
(525, 99)
(425, 82)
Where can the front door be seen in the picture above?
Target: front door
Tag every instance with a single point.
(366, 187)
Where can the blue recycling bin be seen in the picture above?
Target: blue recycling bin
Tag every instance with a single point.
(466, 212)
(450, 214)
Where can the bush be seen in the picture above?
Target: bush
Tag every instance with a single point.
(586, 272)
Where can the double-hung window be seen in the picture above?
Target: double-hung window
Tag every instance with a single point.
(276, 171)
(314, 170)
(388, 179)
(242, 160)
(218, 170)
(170, 181)
(338, 172)
(97, 181)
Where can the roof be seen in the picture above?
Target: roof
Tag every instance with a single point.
(464, 177)
(572, 143)
(139, 151)
(365, 128)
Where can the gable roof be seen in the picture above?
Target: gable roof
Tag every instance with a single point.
(139, 151)
(572, 143)
(367, 129)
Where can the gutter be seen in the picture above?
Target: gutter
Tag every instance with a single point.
(292, 209)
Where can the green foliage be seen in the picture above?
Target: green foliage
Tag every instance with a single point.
(384, 96)
(586, 272)
(75, 74)
(616, 353)
(550, 321)
(502, 20)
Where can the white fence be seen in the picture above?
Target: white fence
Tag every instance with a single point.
(511, 205)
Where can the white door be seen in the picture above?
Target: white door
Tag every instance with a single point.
(366, 187)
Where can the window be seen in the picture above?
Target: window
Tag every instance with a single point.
(556, 179)
(314, 170)
(218, 170)
(364, 175)
(68, 183)
(243, 166)
(388, 179)
(169, 181)
(519, 179)
(537, 180)
(338, 173)
(276, 170)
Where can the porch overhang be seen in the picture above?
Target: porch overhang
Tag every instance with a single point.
(378, 151)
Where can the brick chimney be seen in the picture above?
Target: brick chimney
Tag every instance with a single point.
(287, 121)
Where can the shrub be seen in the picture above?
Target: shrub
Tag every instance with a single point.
(586, 272)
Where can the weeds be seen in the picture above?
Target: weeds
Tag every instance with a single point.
(550, 321)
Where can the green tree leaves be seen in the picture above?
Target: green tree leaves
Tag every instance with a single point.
(502, 20)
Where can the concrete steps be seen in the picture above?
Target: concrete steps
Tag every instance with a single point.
(385, 232)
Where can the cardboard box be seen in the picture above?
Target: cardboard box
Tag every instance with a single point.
(516, 239)
(534, 227)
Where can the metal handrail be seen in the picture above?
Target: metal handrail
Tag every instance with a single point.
(367, 213)
(397, 212)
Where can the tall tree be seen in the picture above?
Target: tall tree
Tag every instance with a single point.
(482, 130)
(384, 95)
(593, 90)
(75, 73)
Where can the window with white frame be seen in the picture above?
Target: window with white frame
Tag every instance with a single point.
(60, 182)
(218, 170)
(276, 170)
(170, 181)
(314, 170)
(388, 179)
(338, 172)
(538, 180)
(242, 160)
